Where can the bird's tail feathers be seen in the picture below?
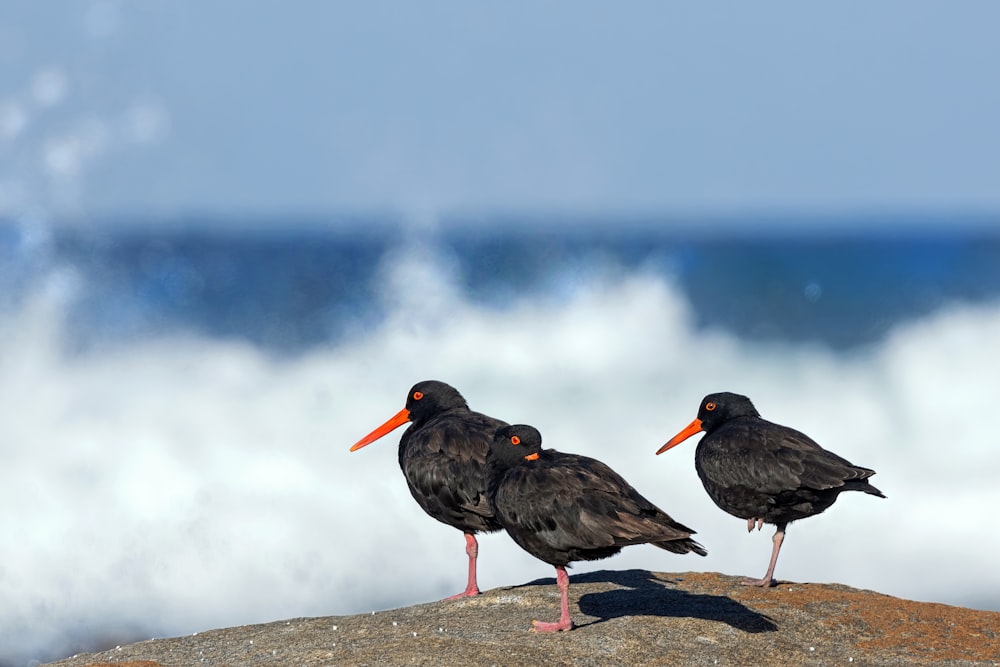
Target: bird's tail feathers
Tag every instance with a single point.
(682, 546)
(863, 485)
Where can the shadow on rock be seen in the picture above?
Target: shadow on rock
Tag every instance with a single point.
(642, 594)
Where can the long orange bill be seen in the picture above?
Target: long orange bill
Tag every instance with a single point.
(689, 430)
(394, 422)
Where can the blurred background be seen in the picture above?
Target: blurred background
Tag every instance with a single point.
(232, 237)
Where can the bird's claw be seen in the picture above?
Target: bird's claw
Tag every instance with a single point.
(539, 626)
(760, 583)
(467, 593)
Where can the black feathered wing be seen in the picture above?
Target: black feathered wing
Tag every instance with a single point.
(774, 459)
(443, 461)
(755, 468)
(565, 507)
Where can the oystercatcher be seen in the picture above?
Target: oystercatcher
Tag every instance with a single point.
(764, 472)
(442, 455)
(562, 508)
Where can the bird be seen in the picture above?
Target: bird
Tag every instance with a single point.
(443, 455)
(562, 507)
(765, 472)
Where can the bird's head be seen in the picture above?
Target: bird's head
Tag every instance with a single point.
(516, 443)
(715, 410)
(426, 399)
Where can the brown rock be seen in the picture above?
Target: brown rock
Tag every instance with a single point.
(630, 617)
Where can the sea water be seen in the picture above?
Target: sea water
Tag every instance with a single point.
(179, 400)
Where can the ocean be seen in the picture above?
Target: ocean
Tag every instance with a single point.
(180, 396)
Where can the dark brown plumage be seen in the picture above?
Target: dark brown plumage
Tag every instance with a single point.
(442, 455)
(764, 472)
(562, 508)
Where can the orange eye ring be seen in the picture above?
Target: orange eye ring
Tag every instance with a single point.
(514, 440)
(417, 395)
(710, 406)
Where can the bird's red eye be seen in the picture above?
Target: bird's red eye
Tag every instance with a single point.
(710, 406)
(514, 440)
(417, 395)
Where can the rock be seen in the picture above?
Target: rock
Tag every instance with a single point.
(628, 617)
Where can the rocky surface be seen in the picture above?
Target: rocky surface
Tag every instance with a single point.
(629, 617)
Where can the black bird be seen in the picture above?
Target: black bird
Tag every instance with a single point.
(764, 472)
(442, 455)
(565, 507)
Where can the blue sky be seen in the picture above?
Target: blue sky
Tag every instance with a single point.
(155, 107)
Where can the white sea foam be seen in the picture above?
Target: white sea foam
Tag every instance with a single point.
(182, 484)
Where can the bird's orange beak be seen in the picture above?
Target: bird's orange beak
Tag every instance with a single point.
(691, 429)
(394, 422)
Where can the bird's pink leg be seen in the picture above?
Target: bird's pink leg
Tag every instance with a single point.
(471, 548)
(751, 522)
(565, 622)
(768, 579)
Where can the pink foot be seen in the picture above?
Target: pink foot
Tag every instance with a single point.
(564, 623)
(472, 550)
(538, 626)
(762, 583)
(467, 593)
(768, 579)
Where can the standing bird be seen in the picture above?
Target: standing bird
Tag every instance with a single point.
(764, 472)
(564, 507)
(442, 455)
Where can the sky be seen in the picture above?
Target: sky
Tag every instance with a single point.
(147, 108)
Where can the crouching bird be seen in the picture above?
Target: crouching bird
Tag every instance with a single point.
(764, 472)
(443, 456)
(562, 508)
